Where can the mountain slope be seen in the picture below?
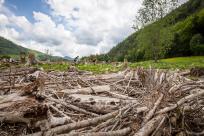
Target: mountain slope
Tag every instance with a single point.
(176, 31)
(68, 58)
(7, 47)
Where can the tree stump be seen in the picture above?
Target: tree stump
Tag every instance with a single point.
(31, 59)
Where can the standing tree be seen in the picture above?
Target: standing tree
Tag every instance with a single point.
(48, 55)
(151, 11)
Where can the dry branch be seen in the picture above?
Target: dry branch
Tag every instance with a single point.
(150, 114)
(180, 102)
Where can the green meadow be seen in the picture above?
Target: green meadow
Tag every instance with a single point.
(170, 63)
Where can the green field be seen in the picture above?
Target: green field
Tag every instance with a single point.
(100, 68)
(171, 63)
(97, 69)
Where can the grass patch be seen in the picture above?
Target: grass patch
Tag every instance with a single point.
(96, 69)
(99, 68)
(54, 66)
(172, 63)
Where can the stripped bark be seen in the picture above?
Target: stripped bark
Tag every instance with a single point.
(100, 99)
(121, 132)
(94, 90)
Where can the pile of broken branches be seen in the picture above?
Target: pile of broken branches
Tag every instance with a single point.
(134, 102)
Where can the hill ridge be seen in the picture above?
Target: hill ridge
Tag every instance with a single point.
(8, 47)
(177, 30)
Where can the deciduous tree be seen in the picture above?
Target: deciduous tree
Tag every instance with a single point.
(151, 11)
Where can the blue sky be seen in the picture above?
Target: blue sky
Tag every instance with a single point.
(68, 27)
(26, 7)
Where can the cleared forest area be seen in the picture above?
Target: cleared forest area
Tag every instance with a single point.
(135, 102)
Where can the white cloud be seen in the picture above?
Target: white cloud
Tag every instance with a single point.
(86, 27)
(96, 21)
(3, 19)
(1, 2)
(10, 32)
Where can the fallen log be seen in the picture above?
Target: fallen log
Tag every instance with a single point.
(87, 90)
(19, 86)
(55, 121)
(150, 126)
(106, 77)
(19, 72)
(93, 90)
(159, 126)
(15, 86)
(150, 114)
(121, 132)
(78, 125)
(72, 106)
(14, 117)
(100, 99)
(177, 87)
(102, 125)
(61, 113)
(99, 108)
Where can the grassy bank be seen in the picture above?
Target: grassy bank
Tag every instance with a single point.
(171, 63)
(97, 68)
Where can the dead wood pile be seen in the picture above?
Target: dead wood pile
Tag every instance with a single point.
(138, 102)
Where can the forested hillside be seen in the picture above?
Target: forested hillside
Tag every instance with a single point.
(180, 34)
(9, 48)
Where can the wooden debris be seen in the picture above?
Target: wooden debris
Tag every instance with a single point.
(138, 102)
(197, 72)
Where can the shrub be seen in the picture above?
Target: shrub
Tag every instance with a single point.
(197, 45)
